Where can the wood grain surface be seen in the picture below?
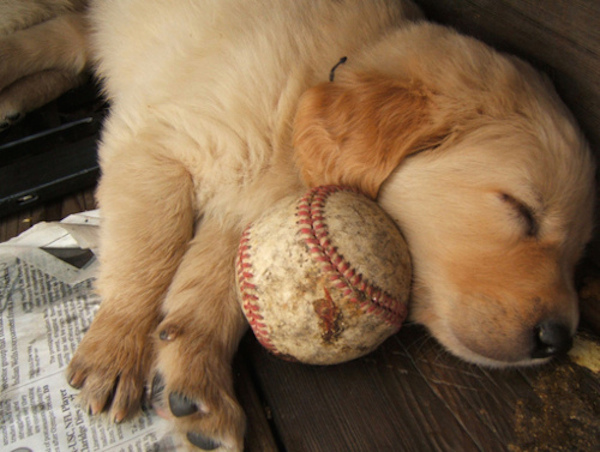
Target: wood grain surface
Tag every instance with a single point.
(410, 395)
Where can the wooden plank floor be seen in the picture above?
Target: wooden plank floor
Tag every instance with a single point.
(409, 395)
(56, 210)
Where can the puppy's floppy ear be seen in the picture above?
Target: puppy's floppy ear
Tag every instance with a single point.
(357, 131)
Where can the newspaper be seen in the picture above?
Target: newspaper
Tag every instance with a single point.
(47, 302)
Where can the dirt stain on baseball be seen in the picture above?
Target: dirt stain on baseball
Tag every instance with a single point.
(331, 318)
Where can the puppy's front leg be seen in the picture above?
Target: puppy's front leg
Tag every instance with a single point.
(147, 220)
(197, 339)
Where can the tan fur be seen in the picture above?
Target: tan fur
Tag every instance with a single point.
(357, 132)
(452, 138)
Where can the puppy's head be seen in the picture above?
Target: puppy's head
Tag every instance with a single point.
(487, 176)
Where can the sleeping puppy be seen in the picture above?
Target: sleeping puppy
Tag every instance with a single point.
(42, 44)
(221, 108)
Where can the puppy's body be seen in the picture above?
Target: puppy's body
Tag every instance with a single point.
(229, 80)
(220, 108)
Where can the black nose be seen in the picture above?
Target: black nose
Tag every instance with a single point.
(551, 339)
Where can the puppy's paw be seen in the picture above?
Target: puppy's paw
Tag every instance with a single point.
(9, 118)
(12, 110)
(215, 425)
(110, 369)
(193, 387)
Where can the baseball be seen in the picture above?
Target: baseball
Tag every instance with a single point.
(325, 278)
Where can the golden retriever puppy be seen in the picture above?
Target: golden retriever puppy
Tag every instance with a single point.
(42, 44)
(221, 108)
(496, 208)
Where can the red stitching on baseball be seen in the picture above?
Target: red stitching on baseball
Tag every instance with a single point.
(310, 212)
(247, 288)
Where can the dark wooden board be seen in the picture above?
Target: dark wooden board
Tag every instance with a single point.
(13, 225)
(410, 395)
(259, 433)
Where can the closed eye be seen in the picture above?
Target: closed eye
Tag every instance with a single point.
(525, 212)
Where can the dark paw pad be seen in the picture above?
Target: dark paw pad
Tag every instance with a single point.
(202, 441)
(181, 405)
